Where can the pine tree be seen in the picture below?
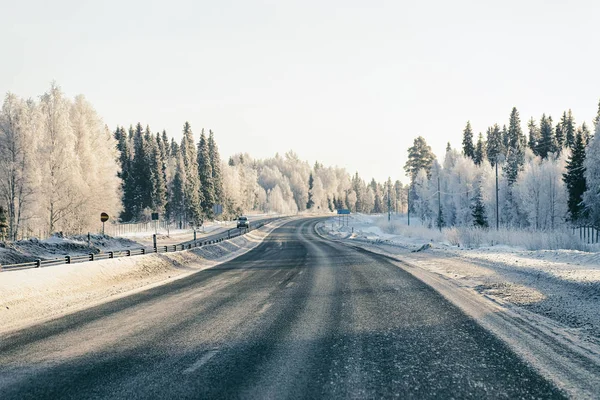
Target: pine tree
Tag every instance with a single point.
(215, 161)
(515, 152)
(468, 149)
(574, 178)
(494, 144)
(125, 173)
(158, 168)
(547, 143)
(479, 154)
(568, 128)
(560, 138)
(192, 190)
(310, 202)
(585, 133)
(534, 136)
(177, 202)
(205, 172)
(478, 208)
(140, 173)
(420, 157)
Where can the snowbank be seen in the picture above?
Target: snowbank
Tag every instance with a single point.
(32, 295)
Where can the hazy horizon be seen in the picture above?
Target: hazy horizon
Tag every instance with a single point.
(342, 83)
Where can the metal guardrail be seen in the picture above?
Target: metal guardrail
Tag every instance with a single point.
(68, 259)
(588, 233)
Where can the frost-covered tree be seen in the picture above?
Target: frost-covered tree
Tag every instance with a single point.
(192, 190)
(215, 161)
(494, 144)
(18, 143)
(205, 172)
(420, 157)
(310, 203)
(534, 136)
(591, 165)
(60, 179)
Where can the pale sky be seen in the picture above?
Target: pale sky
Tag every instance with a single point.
(347, 83)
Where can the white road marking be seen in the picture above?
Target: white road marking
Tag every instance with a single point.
(203, 360)
(264, 308)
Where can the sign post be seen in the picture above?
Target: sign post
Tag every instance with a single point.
(103, 218)
(342, 212)
(155, 218)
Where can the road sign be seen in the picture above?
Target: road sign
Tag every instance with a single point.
(343, 211)
(217, 209)
(103, 217)
(154, 216)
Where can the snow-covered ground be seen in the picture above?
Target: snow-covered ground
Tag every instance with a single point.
(555, 293)
(33, 295)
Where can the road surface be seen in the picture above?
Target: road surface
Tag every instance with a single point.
(297, 317)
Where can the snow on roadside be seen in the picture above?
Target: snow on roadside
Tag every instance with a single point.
(543, 304)
(33, 295)
(563, 285)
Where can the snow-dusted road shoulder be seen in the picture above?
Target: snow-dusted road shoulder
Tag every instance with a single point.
(568, 356)
(32, 296)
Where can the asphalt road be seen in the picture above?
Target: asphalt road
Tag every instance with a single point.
(297, 317)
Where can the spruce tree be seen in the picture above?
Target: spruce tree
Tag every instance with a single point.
(560, 138)
(125, 173)
(534, 136)
(192, 190)
(478, 209)
(585, 133)
(574, 178)
(568, 128)
(468, 148)
(448, 147)
(310, 202)
(158, 175)
(206, 179)
(479, 154)
(177, 202)
(494, 146)
(515, 151)
(141, 174)
(420, 157)
(547, 143)
(591, 197)
(215, 161)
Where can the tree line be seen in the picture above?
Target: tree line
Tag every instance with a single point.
(61, 166)
(547, 177)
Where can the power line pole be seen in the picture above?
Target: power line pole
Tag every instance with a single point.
(497, 212)
(408, 203)
(389, 204)
(439, 203)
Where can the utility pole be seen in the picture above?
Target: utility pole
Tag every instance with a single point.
(497, 213)
(389, 204)
(439, 203)
(408, 203)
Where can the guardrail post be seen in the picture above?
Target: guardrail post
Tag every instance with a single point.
(110, 254)
(143, 251)
(38, 263)
(128, 253)
(91, 256)
(67, 259)
(166, 249)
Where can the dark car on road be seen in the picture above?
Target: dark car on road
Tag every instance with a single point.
(243, 222)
